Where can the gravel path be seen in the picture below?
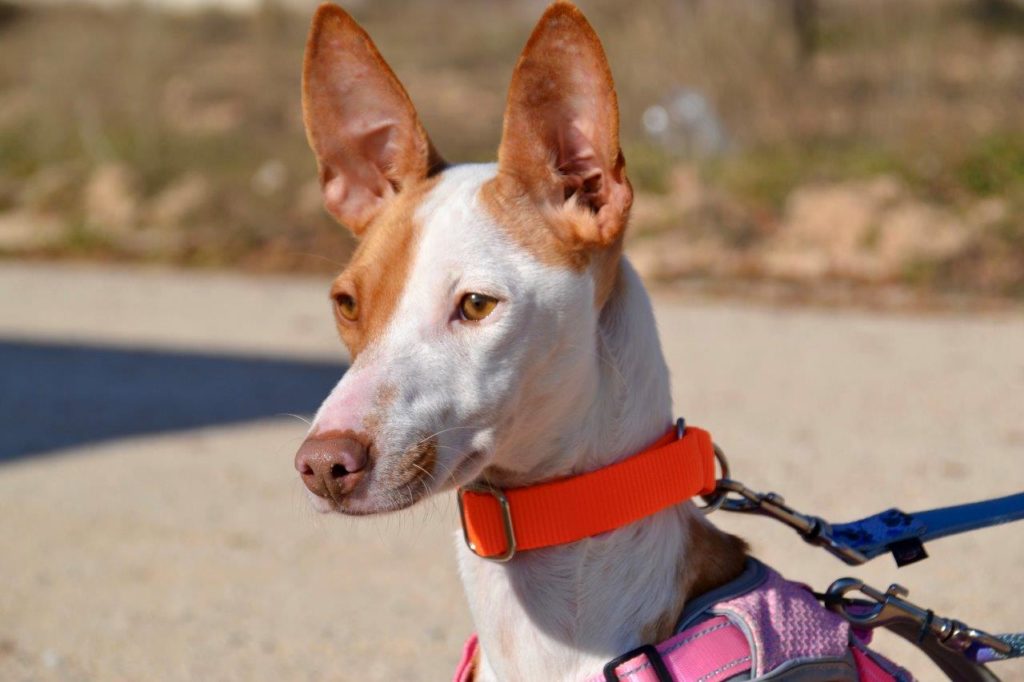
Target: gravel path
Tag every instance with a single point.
(186, 551)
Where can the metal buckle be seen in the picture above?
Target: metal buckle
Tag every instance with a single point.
(653, 657)
(506, 519)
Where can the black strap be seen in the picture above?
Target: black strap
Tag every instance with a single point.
(653, 658)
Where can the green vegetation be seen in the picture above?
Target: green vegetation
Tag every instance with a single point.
(178, 137)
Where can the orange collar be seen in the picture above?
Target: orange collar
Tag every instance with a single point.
(498, 523)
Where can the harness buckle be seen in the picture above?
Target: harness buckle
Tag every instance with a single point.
(653, 656)
(506, 520)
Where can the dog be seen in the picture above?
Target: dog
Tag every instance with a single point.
(500, 338)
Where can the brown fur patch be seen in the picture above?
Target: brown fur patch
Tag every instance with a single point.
(511, 206)
(714, 558)
(375, 419)
(549, 235)
(661, 628)
(379, 269)
(418, 462)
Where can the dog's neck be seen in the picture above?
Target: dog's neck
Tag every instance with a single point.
(561, 613)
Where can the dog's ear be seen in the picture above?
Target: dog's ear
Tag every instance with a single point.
(360, 122)
(561, 129)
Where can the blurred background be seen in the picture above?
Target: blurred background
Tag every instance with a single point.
(165, 330)
(789, 141)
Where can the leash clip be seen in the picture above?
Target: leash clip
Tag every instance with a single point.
(892, 605)
(813, 529)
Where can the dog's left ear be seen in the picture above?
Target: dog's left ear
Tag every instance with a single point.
(360, 122)
(561, 129)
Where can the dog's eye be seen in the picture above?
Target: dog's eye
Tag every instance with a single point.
(475, 307)
(347, 307)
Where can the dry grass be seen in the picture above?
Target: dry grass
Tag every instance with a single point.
(207, 105)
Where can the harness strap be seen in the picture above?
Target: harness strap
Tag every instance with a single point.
(498, 523)
(712, 651)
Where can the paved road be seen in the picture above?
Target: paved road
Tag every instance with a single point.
(152, 528)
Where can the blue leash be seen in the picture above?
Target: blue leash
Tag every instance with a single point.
(985, 654)
(905, 534)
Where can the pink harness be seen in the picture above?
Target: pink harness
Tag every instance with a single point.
(757, 626)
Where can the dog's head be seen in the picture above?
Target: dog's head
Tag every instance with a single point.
(471, 305)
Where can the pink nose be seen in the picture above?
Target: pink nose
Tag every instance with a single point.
(331, 467)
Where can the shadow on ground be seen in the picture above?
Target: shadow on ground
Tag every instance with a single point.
(55, 396)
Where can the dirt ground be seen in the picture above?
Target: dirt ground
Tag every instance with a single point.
(186, 551)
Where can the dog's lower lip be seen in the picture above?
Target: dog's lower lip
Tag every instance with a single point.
(379, 509)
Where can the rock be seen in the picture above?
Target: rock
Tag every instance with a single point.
(988, 212)
(915, 231)
(112, 200)
(24, 231)
(180, 201)
(806, 264)
(838, 218)
(869, 230)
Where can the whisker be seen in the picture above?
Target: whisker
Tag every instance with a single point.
(421, 441)
(425, 472)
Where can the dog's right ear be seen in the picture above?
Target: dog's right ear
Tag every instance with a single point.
(360, 122)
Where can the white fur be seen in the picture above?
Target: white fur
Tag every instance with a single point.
(547, 385)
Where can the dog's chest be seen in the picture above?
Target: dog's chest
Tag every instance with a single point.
(561, 613)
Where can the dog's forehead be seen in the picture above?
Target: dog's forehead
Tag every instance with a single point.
(472, 235)
(457, 228)
(460, 223)
(444, 208)
(449, 219)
